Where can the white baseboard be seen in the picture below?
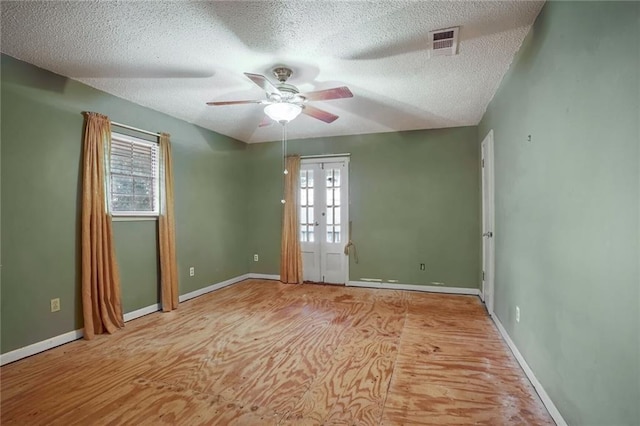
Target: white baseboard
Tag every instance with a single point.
(415, 287)
(52, 342)
(213, 287)
(546, 400)
(42, 346)
(264, 277)
(77, 334)
(142, 312)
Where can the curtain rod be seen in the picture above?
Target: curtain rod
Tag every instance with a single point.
(326, 155)
(113, 123)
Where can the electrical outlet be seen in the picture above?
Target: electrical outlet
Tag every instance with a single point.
(192, 271)
(255, 258)
(517, 313)
(423, 267)
(55, 305)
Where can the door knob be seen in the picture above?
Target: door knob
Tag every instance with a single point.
(317, 224)
(488, 234)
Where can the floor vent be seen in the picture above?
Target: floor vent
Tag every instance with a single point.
(443, 42)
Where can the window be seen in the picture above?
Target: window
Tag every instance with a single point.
(134, 177)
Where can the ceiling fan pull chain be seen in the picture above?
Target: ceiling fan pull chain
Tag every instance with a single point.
(284, 137)
(285, 172)
(284, 149)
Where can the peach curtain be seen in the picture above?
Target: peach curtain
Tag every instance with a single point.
(101, 304)
(167, 230)
(291, 256)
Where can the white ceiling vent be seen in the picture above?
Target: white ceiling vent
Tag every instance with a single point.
(443, 42)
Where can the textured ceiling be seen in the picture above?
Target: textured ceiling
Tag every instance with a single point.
(175, 56)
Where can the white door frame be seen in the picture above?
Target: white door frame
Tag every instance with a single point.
(488, 221)
(344, 159)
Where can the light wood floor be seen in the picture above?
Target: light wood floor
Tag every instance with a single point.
(263, 353)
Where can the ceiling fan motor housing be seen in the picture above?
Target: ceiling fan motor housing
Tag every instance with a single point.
(288, 93)
(282, 73)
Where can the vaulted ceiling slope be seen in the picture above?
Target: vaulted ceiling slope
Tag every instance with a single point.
(175, 56)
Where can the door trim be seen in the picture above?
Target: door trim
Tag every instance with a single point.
(487, 171)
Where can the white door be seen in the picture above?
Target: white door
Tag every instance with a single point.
(488, 204)
(324, 219)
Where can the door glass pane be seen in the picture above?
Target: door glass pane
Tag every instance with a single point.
(306, 199)
(311, 234)
(329, 178)
(336, 177)
(332, 202)
(329, 234)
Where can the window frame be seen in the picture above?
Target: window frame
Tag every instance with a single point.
(156, 178)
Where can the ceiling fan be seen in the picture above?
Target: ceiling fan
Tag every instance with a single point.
(284, 102)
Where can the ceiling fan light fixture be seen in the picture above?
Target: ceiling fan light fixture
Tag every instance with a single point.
(282, 111)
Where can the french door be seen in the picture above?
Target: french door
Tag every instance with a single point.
(324, 219)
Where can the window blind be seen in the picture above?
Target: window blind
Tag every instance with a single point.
(134, 176)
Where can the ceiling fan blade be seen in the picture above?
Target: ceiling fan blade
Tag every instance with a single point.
(320, 114)
(266, 121)
(262, 81)
(233, 102)
(328, 94)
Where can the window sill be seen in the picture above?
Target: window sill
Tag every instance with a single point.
(133, 218)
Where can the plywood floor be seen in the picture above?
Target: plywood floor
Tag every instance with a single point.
(264, 353)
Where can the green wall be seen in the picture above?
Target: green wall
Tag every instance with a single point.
(414, 199)
(567, 207)
(138, 263)
(41, 135)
